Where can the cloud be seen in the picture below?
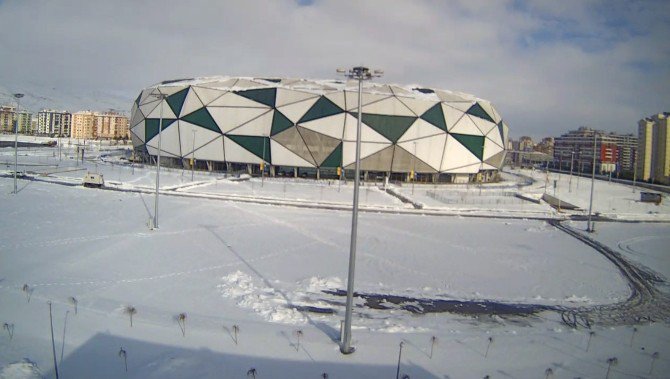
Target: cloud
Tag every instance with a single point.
(547, 66)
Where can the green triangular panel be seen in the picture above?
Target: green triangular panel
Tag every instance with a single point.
(259, 146)
(391, 127)
(435, 116)
(265, 96)
(500, 130)
(477, 110)
(151, 126)
(279, 123)
(176, 100)
(137, 101)
(334, 159)
(473, 143)
(201, 117)
(322, 108)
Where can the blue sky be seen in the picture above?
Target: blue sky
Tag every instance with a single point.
(548, 66)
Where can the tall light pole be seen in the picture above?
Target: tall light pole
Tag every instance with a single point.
(18, 97)
(161, 97)
(357, 73)
(193, 156)
(589, 226)
(572, 161)
(634, 168)
(414, 168)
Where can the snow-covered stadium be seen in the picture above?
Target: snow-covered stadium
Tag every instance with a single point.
(308, 127)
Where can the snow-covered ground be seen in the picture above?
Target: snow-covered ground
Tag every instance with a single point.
(261, 267)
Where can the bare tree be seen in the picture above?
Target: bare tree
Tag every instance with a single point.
(548, 373)
(124, 355)
(611, 362)
(28, 291)
(324, 375)
(73, 300)
(298, 334)
(181, 320)
(654, 357)
(488, 346)
(251, 373)
(433, 342)
(632, 336)
(10, 330)
(130, 311)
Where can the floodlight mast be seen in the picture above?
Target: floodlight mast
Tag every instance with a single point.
(359, 73)
(18, 97)
(160, 96)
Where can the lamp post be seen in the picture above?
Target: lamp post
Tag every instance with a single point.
(161, 97)
(572, 161)
(18, 97)
(357, 73)
(634, 169)
(589, 226)
(193, 156)
(414, 168)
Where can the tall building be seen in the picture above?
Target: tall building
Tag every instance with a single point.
(614, 152)
(51, 122)
(653, 160)
(112, 125)
(8, 117)
(83, 125)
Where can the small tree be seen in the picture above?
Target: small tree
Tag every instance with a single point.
(181, 320)
(72, 300)
(433, 342)
(611, 362)
(28, 291)
(236, 330)
(588, 343)
(298, 334)
(10, 330)
(324, 375)
(124, 355)
(130, 311)
(548, 373)
(488, 346)
(654, 357)
(251, 373)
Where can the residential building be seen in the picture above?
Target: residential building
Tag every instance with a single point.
(83, 125)
(653, 160)
(8, 117)
(112, 125)
(575, 148)
(54, 123)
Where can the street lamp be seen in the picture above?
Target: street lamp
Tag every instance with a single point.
(193, 156)
(18, 97)
(589, 226)
(572, 161)
(357, 73)
(161, 97)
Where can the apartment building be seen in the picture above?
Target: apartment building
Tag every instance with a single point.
(54, 123)
(653, 159)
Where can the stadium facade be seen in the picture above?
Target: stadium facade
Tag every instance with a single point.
(296, 125)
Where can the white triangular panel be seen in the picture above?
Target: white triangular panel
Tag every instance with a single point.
(202, 136)
(487, 108)
(332, 126)
(351, 98)
(399, 91)
(170, 90)
(230, 99)
(147, 96)
(337, 98)
(466, 126)
(296, 110)
(451, 115)
(469, 169)
(450, 96)
(484, 125)
(139, 130)
(259, 126)
(391, 106)
(367, 133)
(225, 84)
(207, 95)
(282, 156)
(418, 107)
(490, 149)
(137, 117)
(149, 106)
(191, 104)
(494, 135)
(496, 116)
(420, 129)
(212, 151)
(154, 151)
(231, 118)
(457, 155)
(462, 106)
(287, 96)
(430, 150)
(169, 140)
(136, 139)
(248, 84)
(238, 154)
(367, 149)
(505, 134)
(486, 166)
(164, 109)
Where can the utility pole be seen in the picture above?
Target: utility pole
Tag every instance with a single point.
(18, 97)
(161, 97)
(589, 227)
